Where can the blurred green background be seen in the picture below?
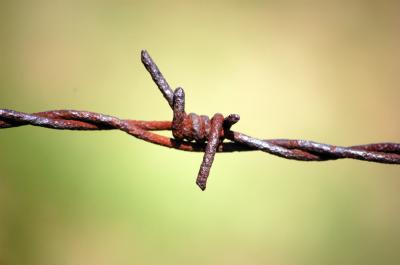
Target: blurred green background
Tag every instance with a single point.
(323, 70)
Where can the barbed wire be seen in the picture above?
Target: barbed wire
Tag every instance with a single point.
(198, 133)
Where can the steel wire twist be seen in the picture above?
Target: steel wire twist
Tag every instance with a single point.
(199, 133)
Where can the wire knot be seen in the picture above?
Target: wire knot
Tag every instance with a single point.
(188, 126)
(201, 129)
(194, 127)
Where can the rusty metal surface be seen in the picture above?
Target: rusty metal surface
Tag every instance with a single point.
(198, 133)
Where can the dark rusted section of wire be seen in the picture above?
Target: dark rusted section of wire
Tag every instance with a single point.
(198, 133)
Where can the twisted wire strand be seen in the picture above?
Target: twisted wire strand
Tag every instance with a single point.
(291, 149)
(198, 133)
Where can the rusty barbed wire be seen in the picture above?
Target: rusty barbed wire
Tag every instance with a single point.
(198, 133)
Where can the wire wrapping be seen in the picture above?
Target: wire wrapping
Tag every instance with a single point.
(198, 133)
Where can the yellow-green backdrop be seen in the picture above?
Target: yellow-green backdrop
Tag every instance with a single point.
(319, 70)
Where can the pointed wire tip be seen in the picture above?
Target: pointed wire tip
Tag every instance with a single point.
(234, 117)
(179, 92)
(202, 186)
(231, 120)
(144, 54)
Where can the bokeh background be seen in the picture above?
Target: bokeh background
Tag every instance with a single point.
(320, 70)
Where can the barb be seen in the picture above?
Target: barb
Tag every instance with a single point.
(195, 133)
